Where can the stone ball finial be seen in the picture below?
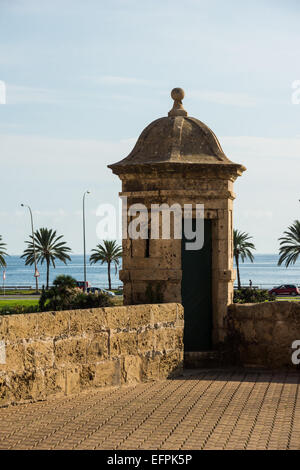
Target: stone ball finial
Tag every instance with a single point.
(178, 110)
(177, 94)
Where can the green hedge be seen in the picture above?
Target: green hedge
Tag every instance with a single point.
(248, 296)
(58, 299)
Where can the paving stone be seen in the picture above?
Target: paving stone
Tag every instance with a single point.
(210, 409)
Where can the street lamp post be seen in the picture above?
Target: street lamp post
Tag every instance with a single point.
(36, 273)
(84, 253)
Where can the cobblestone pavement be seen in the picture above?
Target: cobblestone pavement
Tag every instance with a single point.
(204, 409)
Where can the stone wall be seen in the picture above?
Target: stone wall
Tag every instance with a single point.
(261, 335)
(64, 352)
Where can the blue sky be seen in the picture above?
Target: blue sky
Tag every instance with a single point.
(84, 78)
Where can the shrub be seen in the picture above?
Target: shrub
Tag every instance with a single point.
(247, 295)
(83, 300)
(62, 298)
(64, 280)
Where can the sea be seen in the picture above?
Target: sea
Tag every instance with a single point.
(17, 274)
(263, 272)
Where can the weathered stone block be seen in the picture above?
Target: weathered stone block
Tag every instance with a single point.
(178, 338)
(38, 390)
(87, 375)
(139, 316)
(70, 351)
(87, 320)
(39, 354)
(145, 340)
(15, 357)
(107, 373)
(180, 312)
(282, 333)
(97, 347)
(118, 317)
(72, 380)
(265, 311)
(123, 343)
(22, 385)
(164, 338)
(19, 327)
(172, 292)
(248, 331)
(170, 364)
(164, 313)
(6, 396)
(132, 369)
(282, 312)
(55, 381)
(150, 366)
(62, 381)
(128, 317)
(263, 331)
(52, 324)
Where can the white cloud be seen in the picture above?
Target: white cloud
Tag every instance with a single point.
(223, 97)
(129, 141)
(248, 148)
(43, 213)
(59, 160)
(57, 213)
(117, 80)
(17, 94)
(257, 214)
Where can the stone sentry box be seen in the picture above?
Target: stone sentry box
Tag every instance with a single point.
(178, 159)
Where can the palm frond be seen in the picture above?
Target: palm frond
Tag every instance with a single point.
(289, 249)
(3, 253)
(48, 247)
(242, 245)
(108, 252)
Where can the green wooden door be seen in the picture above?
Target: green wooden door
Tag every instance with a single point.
(196, 293)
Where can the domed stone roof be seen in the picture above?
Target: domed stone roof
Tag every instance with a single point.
(175, 139)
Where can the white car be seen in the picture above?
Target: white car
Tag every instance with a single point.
(108, 292)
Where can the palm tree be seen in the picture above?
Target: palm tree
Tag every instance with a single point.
(108, 253)
(290, 245)
(2, 253)
(48, 248)
(242, 248)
